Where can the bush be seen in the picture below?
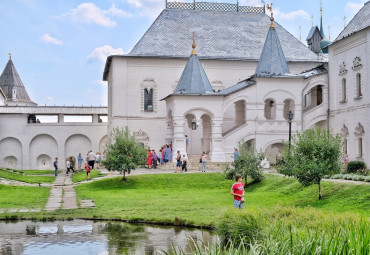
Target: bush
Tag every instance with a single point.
(238, 226)
(347, 177)
(230, 173)
(367, 179)
(337, 176)
(354, 166)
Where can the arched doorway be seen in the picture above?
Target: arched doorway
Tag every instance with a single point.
(273, 150)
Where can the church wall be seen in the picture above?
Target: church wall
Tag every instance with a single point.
(35, 146)
(347, 114)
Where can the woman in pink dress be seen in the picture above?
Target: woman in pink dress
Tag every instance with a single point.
(149, 160)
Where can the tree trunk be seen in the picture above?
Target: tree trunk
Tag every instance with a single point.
(124, 175)
(246, 179)
(320, 190)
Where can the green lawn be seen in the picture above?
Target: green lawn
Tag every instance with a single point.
(78, 177)
(23, 197)
(25, 178)
(36, 172)
(201, 198)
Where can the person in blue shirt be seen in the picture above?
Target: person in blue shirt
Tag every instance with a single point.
(79, 160)
(167, 154)
(236, 154)
(187, 142)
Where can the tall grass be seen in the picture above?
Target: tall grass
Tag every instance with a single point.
(287, 231)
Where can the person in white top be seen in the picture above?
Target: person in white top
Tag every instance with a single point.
(68, 165)
(97, 160)
(204, 161)
(91, 159)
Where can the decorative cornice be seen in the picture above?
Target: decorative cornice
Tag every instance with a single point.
(141, 135)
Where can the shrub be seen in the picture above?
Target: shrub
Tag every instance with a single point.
(363, 171)
(367, 179)
(347, 177)
(238, 226)
(337, 176)
(353, 166)
(230, 173)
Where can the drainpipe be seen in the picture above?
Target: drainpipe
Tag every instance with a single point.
(302, 100)
(328, 114)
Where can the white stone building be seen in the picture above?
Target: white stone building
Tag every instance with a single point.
(245, 77)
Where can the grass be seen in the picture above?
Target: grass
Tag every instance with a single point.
(78, 177)
(200, 198)
(23, 197)
(36, 172)
(17, 176)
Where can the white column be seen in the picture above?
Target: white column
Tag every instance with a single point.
(169, 136)
(217, 153)
(179, 143)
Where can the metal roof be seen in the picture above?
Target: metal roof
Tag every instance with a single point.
(193, 79)
(220, 35)
(359, 22)
(272, 60)
(312, 31)
(235, 88)
(9, 79)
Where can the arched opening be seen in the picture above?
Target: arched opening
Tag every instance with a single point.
(207, 133)
(274, 152)
(360, 148)
(288, 106)
(11, 151)
(250, 144)
(270, 109)
(194, 136)
(76, 144)
(234, 117)
(345, 145)
(43, 162)
(344, 90)
(42, 145)
(358, 85)
(313, 97)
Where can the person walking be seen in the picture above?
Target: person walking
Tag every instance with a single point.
(97, 160)
(79, 162)
(87, 168)
(167, 154)
(159, 156)
(91, 159)
(204, 161)
(184, 163)
(178, 162)
(68, 166)
(56, 166)
(237, 190)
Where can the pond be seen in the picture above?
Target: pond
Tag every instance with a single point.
(91, 237)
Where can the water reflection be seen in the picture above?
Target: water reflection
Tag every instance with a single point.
(88, 237)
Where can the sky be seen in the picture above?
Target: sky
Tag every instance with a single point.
(59, 47)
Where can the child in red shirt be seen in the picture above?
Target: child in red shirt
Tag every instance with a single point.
(237, 190)
(87, 168)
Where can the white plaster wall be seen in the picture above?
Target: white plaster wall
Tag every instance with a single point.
(11, 153)
(354, 110)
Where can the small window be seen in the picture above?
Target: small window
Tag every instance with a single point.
(360, 147)
(148, 100)
(345, 145)
(270, 109)
(319, 95)
(344, 90)
(358, 85)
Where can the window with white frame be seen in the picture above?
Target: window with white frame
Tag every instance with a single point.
(358, 85)
(344, 90)
(148, 100)
(148, 95)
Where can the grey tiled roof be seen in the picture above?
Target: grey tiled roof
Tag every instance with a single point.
(359, 22)
(219, 35)
(10, 78)
(314, 71)
(272, 60)
(193, 79)
(236, 87)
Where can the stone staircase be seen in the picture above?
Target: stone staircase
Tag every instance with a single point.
(193, 164)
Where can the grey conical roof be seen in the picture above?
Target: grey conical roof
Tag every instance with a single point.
(272, 60)
(193, 79)
(9, 79)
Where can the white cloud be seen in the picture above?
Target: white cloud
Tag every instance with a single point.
(147, 8)
(92, 14)
(50, 98)
(292, 15)
(353, 7)
(101, 82)
(46, 38)
(103, 52)
(251, 2)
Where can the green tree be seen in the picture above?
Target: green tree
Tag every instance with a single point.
(124, 153)
(314, 154)
(249, 163)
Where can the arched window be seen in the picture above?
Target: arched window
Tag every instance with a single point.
(148, 99)
(288, 106)
(360, 149)
(345, 145)
(344, 90)
(358, 85)
(270, 109)
(319, 95)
